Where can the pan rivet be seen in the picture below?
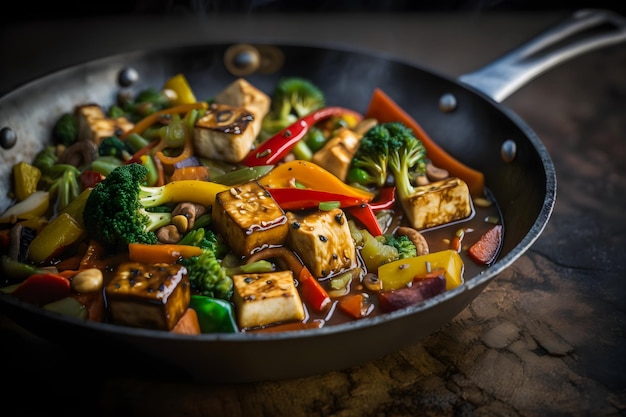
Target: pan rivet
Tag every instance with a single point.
(8, 138)
(508, 150)
(242, 59)
(127, 77)
(447, 103)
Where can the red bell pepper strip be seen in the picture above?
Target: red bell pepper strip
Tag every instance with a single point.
(385, 200)
(302, 198)
(365, 214)
(43, 288)
(89, 179)
(312, 291)
(278, 146)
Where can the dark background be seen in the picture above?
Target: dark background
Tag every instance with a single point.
(25, 10)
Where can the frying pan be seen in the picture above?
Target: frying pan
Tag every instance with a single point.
(464, 115)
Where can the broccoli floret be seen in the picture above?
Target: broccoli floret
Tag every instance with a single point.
(116, 212)
(209, 277)
(388, 148)
(206, 239)
(65, 130)
(405, 247)
(114, 146)
(292, 98)
(46, 159)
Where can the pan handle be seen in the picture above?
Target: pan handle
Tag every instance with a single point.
(584, 31)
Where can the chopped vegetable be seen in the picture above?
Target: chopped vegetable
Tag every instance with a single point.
(43, 288)
(214, 315)
(485, 250)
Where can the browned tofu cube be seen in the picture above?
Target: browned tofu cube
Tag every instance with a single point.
(153, 296)
(323, 241)
(266, 298)
(438, 203)
(249, 218)
(94, 125)
(224, 133)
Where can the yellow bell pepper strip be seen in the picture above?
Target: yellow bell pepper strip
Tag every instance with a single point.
(180, 86)
(25, 180)
(312, 176)
(384, 109)
(43, 288)
(200, 192)
(58, 235)
(161, 253)
(34, 205)
(398, 274)
(148, 121)
(214, 315)
(274, 149)
(301, 198)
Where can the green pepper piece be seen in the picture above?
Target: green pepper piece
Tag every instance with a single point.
(214, 315)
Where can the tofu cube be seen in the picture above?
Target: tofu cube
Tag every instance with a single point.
(266, 298)
(94, 125)
(240, 93)
(323, 241)
(439, 203)
(249, 218)
(153, 296)
(337, 153)
(224, 133)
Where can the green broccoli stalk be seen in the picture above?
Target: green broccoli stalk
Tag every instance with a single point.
(62, 181)
(389, 148)
(114, 214)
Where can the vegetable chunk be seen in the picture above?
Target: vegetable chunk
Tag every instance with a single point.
(266, 298)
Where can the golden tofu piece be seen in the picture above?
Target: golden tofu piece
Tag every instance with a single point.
(153, 296)
(266, 298)
(94, 125)
(249, 218)
(240, 93)
(439, 203)
(323, 241)
(224, 133)
(337, 153)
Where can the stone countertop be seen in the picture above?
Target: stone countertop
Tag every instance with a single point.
(545, 338)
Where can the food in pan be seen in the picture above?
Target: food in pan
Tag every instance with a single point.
(249, 212)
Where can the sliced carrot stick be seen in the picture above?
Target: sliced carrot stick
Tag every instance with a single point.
(168, 253)
(384, 109)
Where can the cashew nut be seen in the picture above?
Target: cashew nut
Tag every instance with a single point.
(88, 280)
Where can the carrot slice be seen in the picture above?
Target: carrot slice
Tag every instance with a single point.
(484, 251)
(384, 109)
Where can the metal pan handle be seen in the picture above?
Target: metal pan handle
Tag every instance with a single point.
(584, 31)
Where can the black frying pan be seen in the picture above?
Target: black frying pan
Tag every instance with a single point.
(463, 115)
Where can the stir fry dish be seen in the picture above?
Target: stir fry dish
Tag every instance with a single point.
(251, 211)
